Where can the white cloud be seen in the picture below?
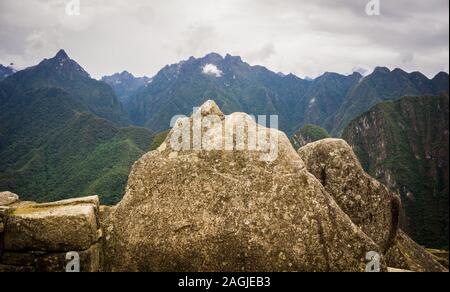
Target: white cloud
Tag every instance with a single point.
(263, 53)
(362, 71)
(212, 70)
(305, 37)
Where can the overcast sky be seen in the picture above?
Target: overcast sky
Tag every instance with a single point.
(304, 37)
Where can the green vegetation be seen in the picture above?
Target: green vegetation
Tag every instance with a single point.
(86, 155)
(64, 73)
(308, 134)
(384, 85)
(330, 101)
(177, 88)
(158, 140)
(54, 143)
(64, 134)
(405, 145)
(314, 133)
(125, 85)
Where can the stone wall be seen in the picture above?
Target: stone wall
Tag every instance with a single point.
(37, 237)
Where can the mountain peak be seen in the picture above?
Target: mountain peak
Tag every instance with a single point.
(329, 74)
(441, 74)
(6, 71)
(213, 57)
(229, 57)
(61, 64)
(125, 72)
(61, 55)
(382, 70)
(356, 74)
(399, 71)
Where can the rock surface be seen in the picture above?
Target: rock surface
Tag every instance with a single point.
(369, 204)
(8, 198)
(64, 228)
(37, 237)
(217, 209)
(408, 255)
(441, 256)
(195, 210)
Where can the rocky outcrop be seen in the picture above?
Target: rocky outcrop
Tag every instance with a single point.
(408, 255)
(441, 256)
(8, 198)
(370, 205)
(37, 237)
(196, 210)
(208, 207)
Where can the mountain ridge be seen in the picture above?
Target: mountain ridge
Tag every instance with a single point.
(65, 73)
(44, 98)
(57, 143)
(330, 101)
(404, 144)
(125, 84)
(6, 72)
(384, 85)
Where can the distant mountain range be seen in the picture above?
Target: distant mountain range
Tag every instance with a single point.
(64, 73)
(405, 145)
(125, 84)
(384, 85)
(330, 101)
(233, 84)
(61, 135)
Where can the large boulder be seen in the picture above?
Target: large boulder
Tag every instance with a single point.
(8, 198)
(370, 205)
(229, 210)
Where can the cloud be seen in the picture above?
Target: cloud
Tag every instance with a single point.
(360, 70)
(263, 53)
(212, 70)
(407, 58)
(305, 37)
(197, 40)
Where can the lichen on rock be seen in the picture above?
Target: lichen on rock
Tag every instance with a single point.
(37, 237)
(408, 255)
(8, 198)
(370, 205)
(219, 210)
(257, 206)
